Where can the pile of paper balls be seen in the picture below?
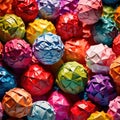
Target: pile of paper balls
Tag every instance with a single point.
(59, 60)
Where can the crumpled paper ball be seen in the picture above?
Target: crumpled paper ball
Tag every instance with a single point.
(115, 70)
(60, 104)
(89, 11)
(5, 7)
(72, 77)
(116, 45)
(68, 6)
(11, 26)
(26, 9)
(68, 26)
(81, 110)
(99, 58)
(38, 27)
(48, 48)
(41, 110)
(1, 50)
(36, 80)
(17, 102)
(108, 11)
(17, 53)
(110, 2)
(104, 31)
(1, 111)
(75, 50)
(117, 16)
(48, 9)
(114, 108)
(100, 89)
(100, 116)
(7, 81)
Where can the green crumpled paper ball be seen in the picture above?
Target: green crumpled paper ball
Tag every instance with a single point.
(72, 77)
(11, 26)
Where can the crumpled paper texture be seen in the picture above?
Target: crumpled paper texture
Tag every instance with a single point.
(110, 2)
(5, 7)
(26, 9)
(116, 45)
(17, 53)
(104, 31)
(17, 102)
(100, 89)
(37, 28)
(75, 50)
(48, 48)
(72, 77)
(69, 26)
(115, 70)
(117, 16)
(89, 11)
(11, 26)
(114, 108)
(48, 9)
(60, 104)
(100, 116)
(41, 110)
(1, 111)
(81, 110)
(108, 12)
(36, 80)
(1, 50)
(68, 6)
(99, 58)
(7, 81)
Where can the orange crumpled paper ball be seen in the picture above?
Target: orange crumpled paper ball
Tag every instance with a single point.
(5, 7)
(17, 102)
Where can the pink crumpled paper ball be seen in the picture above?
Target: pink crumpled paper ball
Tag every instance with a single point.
(60, 104)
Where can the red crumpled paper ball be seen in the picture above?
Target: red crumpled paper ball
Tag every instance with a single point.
(36, 80)
(81, 110)
(68, 26)
(26, 9)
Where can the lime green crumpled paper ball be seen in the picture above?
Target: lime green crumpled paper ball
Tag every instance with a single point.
(72, 77)
(11, 26)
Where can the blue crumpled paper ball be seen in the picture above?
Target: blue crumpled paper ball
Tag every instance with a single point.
(7, 81)
(41, 110)
(48, 48)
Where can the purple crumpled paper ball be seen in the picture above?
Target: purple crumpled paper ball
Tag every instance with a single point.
(100, 89)
(48, 9)
(114, 108)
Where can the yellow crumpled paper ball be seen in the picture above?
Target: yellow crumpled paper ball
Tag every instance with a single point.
(100, 116)
(37, 28)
